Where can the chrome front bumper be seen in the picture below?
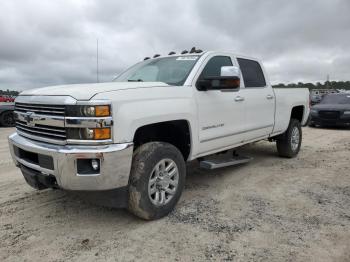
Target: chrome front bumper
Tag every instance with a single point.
(115, 162)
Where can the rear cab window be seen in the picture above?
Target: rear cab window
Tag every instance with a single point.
(252, 73)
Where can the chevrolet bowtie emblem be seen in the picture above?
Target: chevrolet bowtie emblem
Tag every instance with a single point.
(31, 118)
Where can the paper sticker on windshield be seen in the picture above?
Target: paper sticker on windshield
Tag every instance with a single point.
(187, 58)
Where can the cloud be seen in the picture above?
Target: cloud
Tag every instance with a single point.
(54, 42)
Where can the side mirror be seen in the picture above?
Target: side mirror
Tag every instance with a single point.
(228, 80)
(232, 71)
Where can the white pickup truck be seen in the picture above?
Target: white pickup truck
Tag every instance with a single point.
(135, 134)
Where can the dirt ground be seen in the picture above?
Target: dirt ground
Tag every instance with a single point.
(271, 209)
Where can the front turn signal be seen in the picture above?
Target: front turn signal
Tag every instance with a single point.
(102, 133)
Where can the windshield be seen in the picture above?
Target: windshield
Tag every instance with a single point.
(336, 99)
(171, 70)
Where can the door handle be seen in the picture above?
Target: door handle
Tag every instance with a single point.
(239, 99)
(269, 96)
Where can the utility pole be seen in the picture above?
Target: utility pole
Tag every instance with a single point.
(97, 76)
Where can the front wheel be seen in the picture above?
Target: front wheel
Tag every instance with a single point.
(156, 181)
(288, 144)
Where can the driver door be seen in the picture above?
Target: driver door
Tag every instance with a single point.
(221, 114)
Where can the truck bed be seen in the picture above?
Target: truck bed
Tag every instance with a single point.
(286, 98)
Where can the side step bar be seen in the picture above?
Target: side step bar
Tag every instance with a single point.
(218, 163)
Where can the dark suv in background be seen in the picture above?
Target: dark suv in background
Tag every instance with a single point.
(333, 110)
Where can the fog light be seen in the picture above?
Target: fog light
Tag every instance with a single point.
(88, 166)
(95, 164)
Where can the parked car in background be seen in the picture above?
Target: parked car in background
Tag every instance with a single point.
(316, 95)
(333, 110)
(11, 99)
(6, 114)
(4, 98)
(315, 99)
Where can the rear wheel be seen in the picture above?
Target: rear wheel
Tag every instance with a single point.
(288, 144)
(156, 181)
(7, 119)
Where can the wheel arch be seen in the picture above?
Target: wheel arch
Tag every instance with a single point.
(298, 112)
(176, 132)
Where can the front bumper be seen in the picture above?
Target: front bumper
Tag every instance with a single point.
(115, 163)
(341, 121)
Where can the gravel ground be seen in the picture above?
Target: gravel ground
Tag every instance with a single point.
(271, 209)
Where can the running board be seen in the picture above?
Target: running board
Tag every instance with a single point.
(218, 163)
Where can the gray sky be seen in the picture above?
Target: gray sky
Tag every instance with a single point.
(54, 42)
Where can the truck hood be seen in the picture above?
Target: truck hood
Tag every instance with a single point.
(87, 91)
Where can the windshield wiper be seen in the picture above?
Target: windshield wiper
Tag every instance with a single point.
(135, 80)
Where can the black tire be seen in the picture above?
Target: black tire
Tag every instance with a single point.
(7, 119)
(145, 159)
(285, 142)
(311, 124)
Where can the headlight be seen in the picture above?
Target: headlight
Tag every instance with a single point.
(89, 122)
(89, 133)
(88, 110)
(346, 112)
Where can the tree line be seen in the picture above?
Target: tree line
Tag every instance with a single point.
(9, 92)
(318, 85)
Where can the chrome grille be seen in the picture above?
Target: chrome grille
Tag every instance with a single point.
(329, 114)
(41, 122)
(56, 110)
(42, 130)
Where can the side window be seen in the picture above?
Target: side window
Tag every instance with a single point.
(213, 67)
(252, 73)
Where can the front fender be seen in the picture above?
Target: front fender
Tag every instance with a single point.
(131, 116)
(135, 108)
